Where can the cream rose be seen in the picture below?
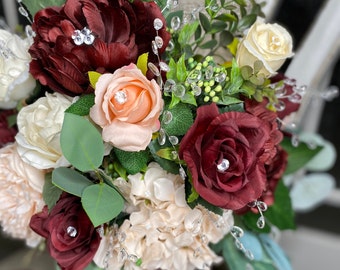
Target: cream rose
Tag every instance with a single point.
(39, 127)
(127, 107)
(20, 195)
(269, 43)
(16, 82)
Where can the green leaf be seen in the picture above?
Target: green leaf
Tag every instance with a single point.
(81, 143)
(94, 77)
(166, 164)
(51, 193)
(82, 105)
(133, 162)
(182, 120)
(218, 26)
(298, 156)
(181, 69)
(246, 21)
(226, 17)
(281, 213)
(34, 6)
(171, 74)
(70, 181)
(226, 38)
(101, 203)
(209, 44)
(227, 100)
(187, 32)
(205, 22)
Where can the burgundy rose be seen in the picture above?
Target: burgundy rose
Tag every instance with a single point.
(7, 133)
(116, 32)
(223, 153)
(71, 238)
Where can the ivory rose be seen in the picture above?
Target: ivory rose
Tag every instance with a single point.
(127, 107)
(16, 83)
(269, 43)
(39, 127)
(20, 195)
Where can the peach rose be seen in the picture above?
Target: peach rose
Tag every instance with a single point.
(20, 195)
(127, 107)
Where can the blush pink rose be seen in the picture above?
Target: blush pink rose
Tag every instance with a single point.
(127, 107)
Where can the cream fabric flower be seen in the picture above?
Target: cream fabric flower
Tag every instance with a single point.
(16, 82)
(163, 231)
(20, 195)
(269, 43)
(39, 127)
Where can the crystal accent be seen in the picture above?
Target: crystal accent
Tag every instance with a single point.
(175, 23)
(173, 140)
(261, 222)
(163, 66)
(221, 77)
(23, 11)
(179, 90)
(331, 93)
(295, 140)
(281, 91)
(123, 255)
(224, 165)
(236, 231)
(182, 173)
(167, 117)
(280, 106)
(295, 98)
(157, 24)
(83, 36)
(209, 72)
(154, 69)
(159, 42)
(196, 90)
(120, 97)
(161, 137)
(169, 85)
(154, 47)
(133, 258)
(197, 252)
(71, 231)
(194, 76)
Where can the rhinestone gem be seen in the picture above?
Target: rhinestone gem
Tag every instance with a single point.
(163, 66)
(120, 97)
(169, 85)
(78, 37)
(179, 90)
(71, 231)
(154, 69)
(223, 166)
(167, 117)
(157, 24)
(159, 42)
(175, 23)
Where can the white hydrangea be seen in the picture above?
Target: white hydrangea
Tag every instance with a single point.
(163, 232)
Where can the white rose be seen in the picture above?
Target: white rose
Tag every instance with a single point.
(20, 195)
(16, 82)
(39, 127)
(269, 43)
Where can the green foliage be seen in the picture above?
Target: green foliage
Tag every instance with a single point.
(51, 193)
(82, 105)
(81, 143)
(298, 156)
(166, 164)
(133, 162)
(36, 5)
(102, 203)
(182, 120)
(70, 181)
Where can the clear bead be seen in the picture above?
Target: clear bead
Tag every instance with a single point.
(221, 77)
(261, 206)
(194, 76)
(295, 98)
(295, 140)
(224, 165)
(161, 137)
(331, 93)
(167, 117)
(197, 252)
(209, 72)
(120, 97)
(179, 90)
(281, 91)
(23, 11)
(154, 69)
(196, 90)
(238, 244)
(237, 231)
(121, 236)
(159, 42)
(170, 46)
(175, 23)
(280, 106)
(301, 90)
(123, 255)
(157, 24)
(71, 231)
(164, 67)
(133, 258)
(174, 155)
(169, 85)
(154, 47)
(182, 173)
(89, 39)
(173, 140)
(78, 37)
(261, 222)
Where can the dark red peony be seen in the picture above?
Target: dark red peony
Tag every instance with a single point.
(91, 35)
(224, 153)
(7, 133)
(71, 238)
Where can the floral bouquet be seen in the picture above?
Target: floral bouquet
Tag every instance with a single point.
(141, 135)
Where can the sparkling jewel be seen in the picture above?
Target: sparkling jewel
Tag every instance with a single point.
(280, 106)
(173, 140)
(175, 23)
(157, 24)
(120, 97)
(237, 232)
(154, 69)
(331, 93)
(83, 36)
(167, 117)
(209, 72)
(179, 90)
(223, 166)
(261, 222)
(71, 231)
(163, 66)
(182, 173)
(169, 85)
(194, 76)
(161, 137)
(196, 90)
(154, 47)
(221, 77)
(159, 42)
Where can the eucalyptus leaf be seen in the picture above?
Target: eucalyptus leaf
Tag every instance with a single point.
(101, 203)
(209, 44)
(246, 21)
(205, 22)
(34, 6)
(226, 38)
(70, 181)
(81, 143)
(51, 193)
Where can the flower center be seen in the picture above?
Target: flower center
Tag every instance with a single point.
(71, 231)
(275, 42)
(83, 36)
(224, 165)
(121, 96)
